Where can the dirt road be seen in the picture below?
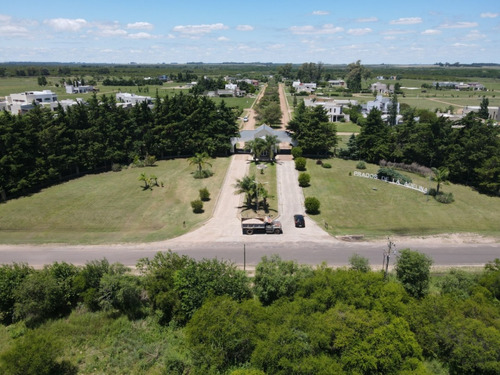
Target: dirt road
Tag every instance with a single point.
(285, 109)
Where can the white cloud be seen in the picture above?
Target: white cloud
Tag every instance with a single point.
(489, 15)
(199, 29)
(140, 26)
(311, 30)
(66, 24)
(13, 30)
(459, 25)
(276, 46)
(244, 28)
(5, 18)
(223, 39)
(111, 32)
(406, 21)
(321, 13)
(396, 32)
(431, 32)
(141, 35)
(474, 35)
(369, 19)
(359, 32)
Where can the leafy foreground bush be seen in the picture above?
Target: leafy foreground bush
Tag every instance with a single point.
(312, 205)
(326, 165)
(300, 164)
(304, 179)
(197, 206)
(204, 194)
(444, 197)
(361, 165)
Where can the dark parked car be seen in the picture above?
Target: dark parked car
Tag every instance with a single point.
(299, 221)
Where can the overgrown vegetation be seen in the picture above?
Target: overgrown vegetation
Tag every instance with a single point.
(183, 316)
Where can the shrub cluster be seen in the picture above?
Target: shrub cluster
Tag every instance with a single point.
(392, 174)
(361, 165)
(326, 165)
(413, 167)
(304, 179)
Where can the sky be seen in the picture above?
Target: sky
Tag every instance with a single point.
(278, 31)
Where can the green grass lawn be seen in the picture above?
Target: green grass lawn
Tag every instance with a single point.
(113, 207)
(347, 127)
(355, 205)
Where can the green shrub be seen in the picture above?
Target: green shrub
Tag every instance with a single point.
(444, 197)
(300, 164)
(361, 165)
(150, 160)
(392, 175)
(205, 173)
(326, 165)
(296, 152)
(432, 192)
(204, 195)
(312, 205)
(116, 167)
(197, 206)
(319, 162)
(304, 179)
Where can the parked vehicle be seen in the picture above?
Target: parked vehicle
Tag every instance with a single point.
(260, 225)
(299, 220)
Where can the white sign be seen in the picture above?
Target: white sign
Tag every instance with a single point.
(408, 185)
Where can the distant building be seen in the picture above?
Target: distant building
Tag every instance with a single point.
(304, 87)
(493, 112)
(381, 103)
(132, 99)
(71, 89)
(382, 88)
(337, 83)
(334, 109)
(21, 103)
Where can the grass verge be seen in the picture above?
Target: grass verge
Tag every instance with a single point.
(113, 207)
(355, 205)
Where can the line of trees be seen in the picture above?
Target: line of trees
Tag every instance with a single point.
(43, 147)
(287, 319)
(469, 149)
(268, 108)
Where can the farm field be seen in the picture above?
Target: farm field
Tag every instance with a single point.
(356, 205)
(113, 207)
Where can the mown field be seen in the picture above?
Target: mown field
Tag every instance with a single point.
(113, 207)
(355, 205)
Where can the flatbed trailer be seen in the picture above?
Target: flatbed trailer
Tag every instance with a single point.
(260, 225)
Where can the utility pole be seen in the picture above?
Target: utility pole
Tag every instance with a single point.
(244, 257)
(387, 256)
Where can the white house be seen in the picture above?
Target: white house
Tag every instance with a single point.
(333, 109)
(132, 99)
(493, 112)
(22, 102)
(304, 87)
(71, 89)
(337, 83)
(382, 88)
(381, 103)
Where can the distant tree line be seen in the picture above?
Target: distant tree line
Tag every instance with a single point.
(287, 319)
(469, 148)
(131, 82)
(42, 147)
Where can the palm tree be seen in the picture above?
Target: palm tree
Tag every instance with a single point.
(270, 145)
(256, 147)
(247, 186)
(440, 176)
(201, 160)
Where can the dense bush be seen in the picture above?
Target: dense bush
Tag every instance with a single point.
(297, 152)
(392, 175)
(300, 164)
(197, 206)
(361, 165)
(326, 165)
(444, 197)
(304, 179)
(204, 194)
(312, 205)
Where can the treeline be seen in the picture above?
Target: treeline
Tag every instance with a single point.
(131, 82)
(268, 108)
(469, 149)
(43, 147)
(287, 319)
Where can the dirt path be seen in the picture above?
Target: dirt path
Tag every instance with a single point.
(250, 112)
(285, 109)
